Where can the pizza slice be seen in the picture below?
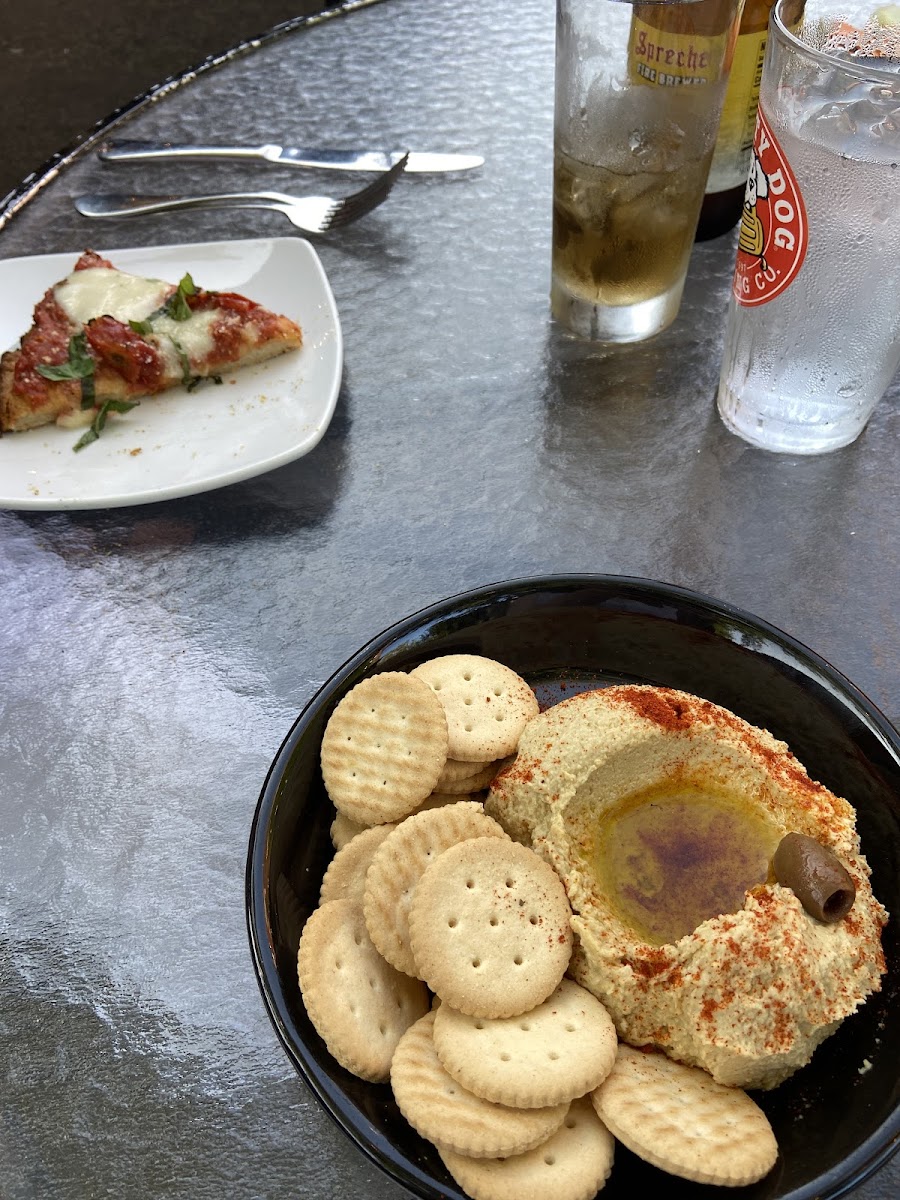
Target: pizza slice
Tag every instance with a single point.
(102, 339)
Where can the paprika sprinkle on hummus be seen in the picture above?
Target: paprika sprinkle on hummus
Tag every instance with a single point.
(661, 812)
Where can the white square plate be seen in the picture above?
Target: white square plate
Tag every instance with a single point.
(180, 443)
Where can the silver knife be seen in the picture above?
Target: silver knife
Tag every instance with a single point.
(336, 160)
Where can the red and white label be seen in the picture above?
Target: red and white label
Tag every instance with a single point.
(773, 231)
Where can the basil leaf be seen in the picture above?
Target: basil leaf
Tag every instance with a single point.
(177, 306)
(87, 392)
(79, 364)
(198, 379)
(89, 435)
(186, 375)
(99, 422)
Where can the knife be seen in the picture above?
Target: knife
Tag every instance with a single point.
(334, 160)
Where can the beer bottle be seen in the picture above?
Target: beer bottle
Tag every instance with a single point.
(682, 42)
(724, 199)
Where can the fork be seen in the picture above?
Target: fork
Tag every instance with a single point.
(312, 214)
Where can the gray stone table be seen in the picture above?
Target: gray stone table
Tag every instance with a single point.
(153, 658)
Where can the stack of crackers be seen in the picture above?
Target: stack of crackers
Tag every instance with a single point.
(437, 961)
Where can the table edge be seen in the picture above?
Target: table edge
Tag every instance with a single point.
(21, 195)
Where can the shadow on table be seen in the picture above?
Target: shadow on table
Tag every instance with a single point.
(633, 430)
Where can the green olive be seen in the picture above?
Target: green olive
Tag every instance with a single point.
(816, 875)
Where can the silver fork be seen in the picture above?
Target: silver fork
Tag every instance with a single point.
(312, 214)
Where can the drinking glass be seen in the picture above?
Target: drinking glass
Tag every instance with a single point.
(639, 91)
(813, 335)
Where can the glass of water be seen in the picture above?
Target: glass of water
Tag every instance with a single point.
(813, 337)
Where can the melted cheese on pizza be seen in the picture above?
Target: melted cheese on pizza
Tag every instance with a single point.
(194, 335)
(104, 291)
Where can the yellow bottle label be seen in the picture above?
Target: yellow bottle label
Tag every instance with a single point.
(731, 159)
(668, 59)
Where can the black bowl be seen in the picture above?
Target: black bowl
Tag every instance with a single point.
(838, 1119)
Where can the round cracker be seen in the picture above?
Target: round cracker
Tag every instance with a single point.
(476, 782)
(490, 928)
(573, 1164)
(681, 1120)
(343, 830)
(345, 878)
(360, 1006)
(442, 1111)
(457, 769)
(487, 704)
(399, 862)
(563, 1048)
(384, 748)
(440, 799)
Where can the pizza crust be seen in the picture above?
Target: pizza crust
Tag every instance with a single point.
(18, 413)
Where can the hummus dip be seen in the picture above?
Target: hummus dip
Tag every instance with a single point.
(661, 811)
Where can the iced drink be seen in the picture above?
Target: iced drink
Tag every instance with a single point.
(639, 91)
(623, 226)
(813, 337)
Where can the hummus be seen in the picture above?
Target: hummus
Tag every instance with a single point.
(660, 811)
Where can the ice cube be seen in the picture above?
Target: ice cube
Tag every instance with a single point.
(864, 115)
(887, 131)
(650, 218)
(830, 125)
